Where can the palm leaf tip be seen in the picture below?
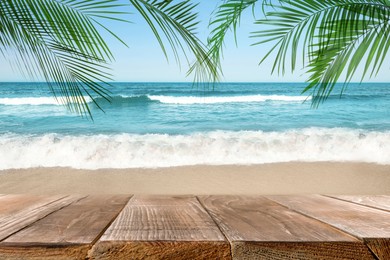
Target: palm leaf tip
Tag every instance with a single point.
(226, 17)
(59, 40)
(174, 24)
(338, 39)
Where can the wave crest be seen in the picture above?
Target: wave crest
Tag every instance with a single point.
(33, 101)
(188, 100)
(213, 148)
(178, 100)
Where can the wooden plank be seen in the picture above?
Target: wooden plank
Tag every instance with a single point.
(58, 252)
(360, 221)
(258, 228)
(19, 211)
(14, 203)
(370, 225)
(78, 223)
(67, 233)
(162, 227)
(375, 201)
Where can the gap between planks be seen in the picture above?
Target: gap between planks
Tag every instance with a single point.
(216, 224)
(110, 223)
(79, 226)
(247, 246)
(257, 227)
(370, 201)
(370, 225)
(162, 227)
(42, 212)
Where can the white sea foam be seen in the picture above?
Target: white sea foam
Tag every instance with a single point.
(33, 101)
(188, 100)
(181, 100)
(160, 150)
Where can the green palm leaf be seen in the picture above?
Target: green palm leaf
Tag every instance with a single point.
(59, 40)
(177, 22)
(334, 37)
(226, 17)
(339, 36)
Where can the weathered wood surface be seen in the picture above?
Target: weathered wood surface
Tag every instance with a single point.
(189, 227)
(258, 228)
(369, 224)
(66, 234)
(19, 211)
(155, 227)
(375, 201)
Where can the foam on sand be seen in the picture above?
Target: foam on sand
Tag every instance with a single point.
(211, 148)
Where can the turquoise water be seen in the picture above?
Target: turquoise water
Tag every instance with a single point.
(169, 124)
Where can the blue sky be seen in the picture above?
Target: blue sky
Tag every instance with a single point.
(144, 60)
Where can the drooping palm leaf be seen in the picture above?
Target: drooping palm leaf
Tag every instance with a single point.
(226, 17)
(359, 39)
(59, 41)
(177, 22)
(336, 36)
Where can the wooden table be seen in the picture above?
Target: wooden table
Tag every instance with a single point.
(194, 227)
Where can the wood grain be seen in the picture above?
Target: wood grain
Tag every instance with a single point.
(162, 227)
(375, 201)
(19, 211)
(258, 228)
(33, 252)
(78, 223)
(67, 233)
(187, 227)
(379, 246)
(368, 224)
(161, 250)
(300, 250)
(14, 203)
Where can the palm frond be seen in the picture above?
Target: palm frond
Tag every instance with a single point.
(336, 38)
(177, 22)
(226, 18)
(59, 41)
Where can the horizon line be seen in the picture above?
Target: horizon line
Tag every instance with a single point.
(223, 82)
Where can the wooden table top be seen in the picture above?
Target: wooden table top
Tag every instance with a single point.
(194, 227)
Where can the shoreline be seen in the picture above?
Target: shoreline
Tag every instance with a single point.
(276, 178)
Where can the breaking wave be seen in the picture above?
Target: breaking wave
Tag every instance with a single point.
(188, 100)
(33, 101)
(210, 148)
(180, 100)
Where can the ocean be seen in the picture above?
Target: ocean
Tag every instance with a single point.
(173, 124)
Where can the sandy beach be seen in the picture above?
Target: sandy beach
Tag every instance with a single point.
(278, 178)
